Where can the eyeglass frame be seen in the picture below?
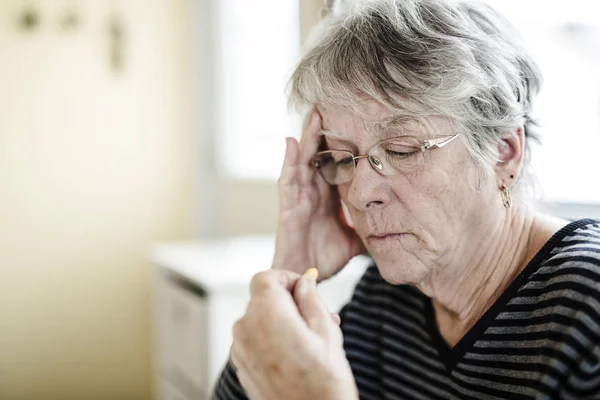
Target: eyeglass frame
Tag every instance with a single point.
(427, 144)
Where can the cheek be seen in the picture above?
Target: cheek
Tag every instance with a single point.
(444, 191)
(436, 196)
(440, 198)
(460, 193)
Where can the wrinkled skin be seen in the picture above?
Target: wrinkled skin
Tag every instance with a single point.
(312, 231)
(287, 346)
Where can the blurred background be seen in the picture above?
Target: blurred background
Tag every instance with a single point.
(137, 137)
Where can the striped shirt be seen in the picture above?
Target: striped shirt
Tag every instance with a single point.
(539, 340)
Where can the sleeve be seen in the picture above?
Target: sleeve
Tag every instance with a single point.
(228, 387)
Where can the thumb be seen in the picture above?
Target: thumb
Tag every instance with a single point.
(312, 307)
(336, 318)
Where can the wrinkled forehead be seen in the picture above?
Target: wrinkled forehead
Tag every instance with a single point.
(375, 122)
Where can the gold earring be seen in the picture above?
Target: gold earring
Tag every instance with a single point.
(506, 197)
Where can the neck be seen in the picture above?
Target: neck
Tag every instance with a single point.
(464, 289)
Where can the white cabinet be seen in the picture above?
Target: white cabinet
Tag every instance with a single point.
(181, 339)
(201, 290)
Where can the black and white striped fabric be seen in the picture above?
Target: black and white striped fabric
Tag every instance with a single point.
(540, 340)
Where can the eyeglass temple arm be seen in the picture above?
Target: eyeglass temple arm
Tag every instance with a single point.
(438, 142)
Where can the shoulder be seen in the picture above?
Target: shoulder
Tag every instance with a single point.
(567, 280)
(562, 295)
(572, 256)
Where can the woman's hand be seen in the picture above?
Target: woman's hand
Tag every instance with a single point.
(287, 346)
(312, 231)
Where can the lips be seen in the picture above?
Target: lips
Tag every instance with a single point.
(385, 235)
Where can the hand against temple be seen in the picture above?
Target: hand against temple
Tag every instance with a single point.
(312, 231)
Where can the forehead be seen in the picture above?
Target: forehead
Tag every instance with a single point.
(376, 121)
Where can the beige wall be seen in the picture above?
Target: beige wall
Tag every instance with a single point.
(94, 168)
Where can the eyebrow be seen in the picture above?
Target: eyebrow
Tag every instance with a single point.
(376, 128)
(398, 121)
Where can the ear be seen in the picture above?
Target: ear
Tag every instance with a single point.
(511, 151)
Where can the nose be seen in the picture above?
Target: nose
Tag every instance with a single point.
(367, 189)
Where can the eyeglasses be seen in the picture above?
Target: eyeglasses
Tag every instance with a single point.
(393, 156)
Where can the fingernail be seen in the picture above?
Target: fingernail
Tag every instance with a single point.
(312, 273)
(336, 319)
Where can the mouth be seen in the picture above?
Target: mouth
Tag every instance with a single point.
(380, 237)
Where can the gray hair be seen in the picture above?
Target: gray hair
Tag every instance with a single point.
(460, 60)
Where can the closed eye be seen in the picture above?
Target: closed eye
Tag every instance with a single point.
(345, 161)
(404, 153)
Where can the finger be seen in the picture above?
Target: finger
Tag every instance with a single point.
(289, 176)
(309, 143)
(273, 279)
(308, 118)
(312, 307)
(243, 369)
(329, 195)
(236, 353)
(238, 360)
(345, 215)
(250, 387)
(357, 246)
(235, 358)
(336, 319)
(291, 153)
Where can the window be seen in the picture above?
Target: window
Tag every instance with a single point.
(565, 40)
(259, 44)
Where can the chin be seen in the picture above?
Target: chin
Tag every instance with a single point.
(399, 269)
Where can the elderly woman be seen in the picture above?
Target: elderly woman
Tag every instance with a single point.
(420, 126)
